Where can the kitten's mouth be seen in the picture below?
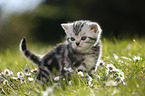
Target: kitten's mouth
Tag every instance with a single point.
(78, 46)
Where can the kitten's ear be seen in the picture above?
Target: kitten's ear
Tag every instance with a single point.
(65, 26)
(94, 27)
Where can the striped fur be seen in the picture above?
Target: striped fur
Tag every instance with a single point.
(77, 26)
(82, 57)
(32, 56)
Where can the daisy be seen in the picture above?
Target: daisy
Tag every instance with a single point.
(100, 62)
(22, 80)
(111, 83)
(110, 68)
(26, 70)
(68, 69)
(56, 78)
(28, 74)
(117, 73)
(30, 79)
(7, 72)
(20, 74)
(5, 82)
(121, 75)
(137, 58)
(34, 70)
(80, 73)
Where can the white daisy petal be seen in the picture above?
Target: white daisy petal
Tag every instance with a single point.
(115, 56)
(5, 82)
(111, 83)
(20, 74)
(30, 79)
(56, 78)
(7, 72)
(80, 73)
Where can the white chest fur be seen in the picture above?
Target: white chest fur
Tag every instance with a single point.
(90, 61)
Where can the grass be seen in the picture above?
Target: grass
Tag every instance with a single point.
(120, 73)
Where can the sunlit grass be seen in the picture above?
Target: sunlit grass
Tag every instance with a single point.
(121, 72)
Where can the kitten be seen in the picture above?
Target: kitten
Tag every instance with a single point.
(81, 50)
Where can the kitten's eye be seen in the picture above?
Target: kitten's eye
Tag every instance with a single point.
(84, 38)
(72, 39)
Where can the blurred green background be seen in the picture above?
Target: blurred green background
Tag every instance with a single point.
(41, 22)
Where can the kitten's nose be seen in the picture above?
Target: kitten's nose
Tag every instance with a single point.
(77, 43)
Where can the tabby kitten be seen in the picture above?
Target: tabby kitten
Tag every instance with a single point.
(81, 50)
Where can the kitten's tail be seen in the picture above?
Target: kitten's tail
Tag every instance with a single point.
(30, 55)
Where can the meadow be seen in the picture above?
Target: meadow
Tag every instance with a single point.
(120, 72)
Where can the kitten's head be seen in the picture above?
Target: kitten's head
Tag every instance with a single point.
(82, 35)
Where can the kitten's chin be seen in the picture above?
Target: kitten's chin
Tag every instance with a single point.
(81, 49)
